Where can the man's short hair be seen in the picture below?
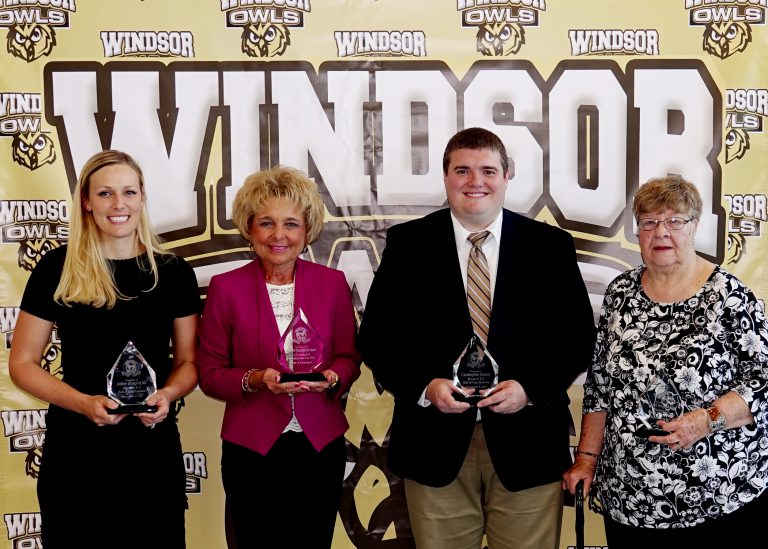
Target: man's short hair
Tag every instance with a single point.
(475, 138)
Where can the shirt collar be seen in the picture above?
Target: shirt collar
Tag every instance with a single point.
(461, 233)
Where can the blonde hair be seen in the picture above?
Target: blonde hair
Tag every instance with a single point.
(279, 182)
(87, 277)
(667, 193)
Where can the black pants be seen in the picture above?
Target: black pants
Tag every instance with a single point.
(288, 498)
(732, 530)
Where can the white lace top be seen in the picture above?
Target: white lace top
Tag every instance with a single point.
(281, 298)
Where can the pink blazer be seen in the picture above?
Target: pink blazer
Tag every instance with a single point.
(239, 332)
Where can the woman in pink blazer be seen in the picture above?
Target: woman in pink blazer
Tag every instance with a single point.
(283, 451)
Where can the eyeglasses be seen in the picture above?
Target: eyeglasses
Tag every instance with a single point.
(671, 223)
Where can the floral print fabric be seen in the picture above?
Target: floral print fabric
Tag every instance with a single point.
(705, 346)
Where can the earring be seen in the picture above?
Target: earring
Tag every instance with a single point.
(250, 246)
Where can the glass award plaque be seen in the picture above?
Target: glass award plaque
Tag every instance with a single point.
(660, 401)
(475, 369)
(130, 382)
(300, 351)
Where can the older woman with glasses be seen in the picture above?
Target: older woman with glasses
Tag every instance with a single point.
(674, 440)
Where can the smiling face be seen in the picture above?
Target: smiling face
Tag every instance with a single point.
(663, 248)
(116, 202)
(278, 234)
(475, 184)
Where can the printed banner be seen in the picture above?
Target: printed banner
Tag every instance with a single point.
(591, 98)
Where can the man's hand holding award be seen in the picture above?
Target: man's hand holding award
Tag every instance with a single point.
(475, 369)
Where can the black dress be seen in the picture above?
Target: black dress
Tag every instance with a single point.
(122, 485)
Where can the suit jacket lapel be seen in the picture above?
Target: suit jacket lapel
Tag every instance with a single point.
(505, 271)
(268, 330)
(448, 257)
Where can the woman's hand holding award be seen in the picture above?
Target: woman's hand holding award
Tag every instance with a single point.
(660, 401)
(300, 351)
(130, 382)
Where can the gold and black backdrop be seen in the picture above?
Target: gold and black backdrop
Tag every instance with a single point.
(590, 97)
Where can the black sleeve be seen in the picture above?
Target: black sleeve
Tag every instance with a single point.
(38, 294)
(183, 285)
(569, 341)
(386, 337)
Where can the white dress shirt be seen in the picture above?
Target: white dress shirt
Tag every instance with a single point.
(491, 250)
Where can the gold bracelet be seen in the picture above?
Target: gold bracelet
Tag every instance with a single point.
(596, 456)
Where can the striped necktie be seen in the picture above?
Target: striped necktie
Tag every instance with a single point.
(479, 286)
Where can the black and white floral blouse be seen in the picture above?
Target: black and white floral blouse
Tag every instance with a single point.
(707, 345)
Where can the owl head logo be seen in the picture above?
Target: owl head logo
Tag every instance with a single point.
(51, 361)
(131, 368)
(736, 247)
(32, 462)
(30, 41)
(31, 251)
(383, 492)
(497, 39)
(265, 40)
(736, 144)
(33, 149)
(725, 39)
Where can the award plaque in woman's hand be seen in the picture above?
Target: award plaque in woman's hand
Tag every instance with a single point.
(300, 351)
(660, 401)
(130, 382)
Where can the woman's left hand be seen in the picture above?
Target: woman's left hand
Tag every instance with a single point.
(159, 399)
(271, 379)
(331, 378)
(684, 431)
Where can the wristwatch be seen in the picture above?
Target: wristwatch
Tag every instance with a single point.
(715, 419)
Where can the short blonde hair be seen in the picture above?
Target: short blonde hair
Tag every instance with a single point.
(667, 193)
(279, 182)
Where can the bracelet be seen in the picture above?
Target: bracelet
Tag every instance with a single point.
(596, 456)
(715, 419)
(335, 381)
(245, 384)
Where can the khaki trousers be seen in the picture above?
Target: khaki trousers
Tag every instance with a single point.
(475, 503)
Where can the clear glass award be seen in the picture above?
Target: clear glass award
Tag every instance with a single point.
(300, 351)
(475, 369)
(130, 382)
(660, 401)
